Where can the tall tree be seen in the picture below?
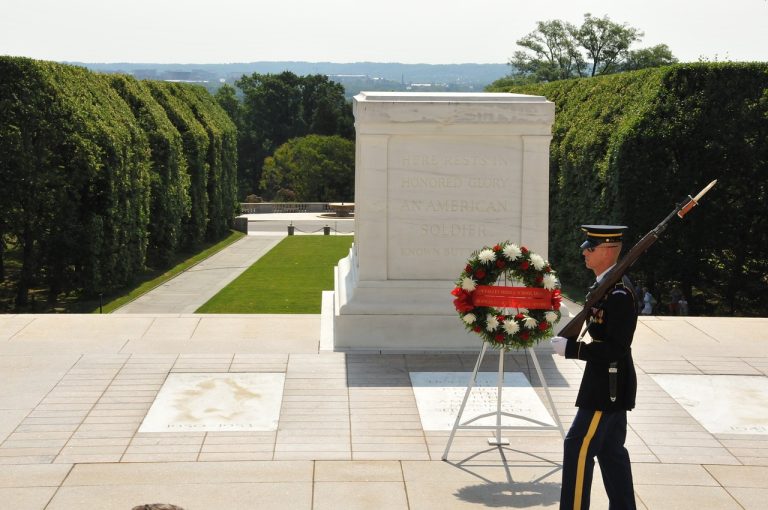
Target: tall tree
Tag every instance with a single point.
(271, 116)
(559, 50)
(226, 96)
(655, 56)
(313, 168)
(555, 55)
(605, 42)
(279, 107)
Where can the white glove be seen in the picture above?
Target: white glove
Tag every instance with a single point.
(558, 344)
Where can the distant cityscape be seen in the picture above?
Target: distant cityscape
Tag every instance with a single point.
(353, 76)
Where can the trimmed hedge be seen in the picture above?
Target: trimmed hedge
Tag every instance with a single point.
(102, 174)
(221, 157)
(75, 171)
(196, 144)
(628, 147)
(169, 179)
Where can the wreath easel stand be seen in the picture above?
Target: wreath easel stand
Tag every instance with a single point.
(497, 440)
(485, 309)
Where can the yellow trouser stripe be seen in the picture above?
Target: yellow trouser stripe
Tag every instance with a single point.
(583, 459)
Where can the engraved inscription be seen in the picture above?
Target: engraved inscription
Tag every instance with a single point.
(456, 206)
(446, 197)
(439, 182)
(432, 252)
(216, 402)
(439, 397)
(433, 160)
(454, 230)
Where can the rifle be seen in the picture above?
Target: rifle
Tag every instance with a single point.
(572, 329)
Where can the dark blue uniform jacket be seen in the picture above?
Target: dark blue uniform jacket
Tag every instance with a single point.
(611, 325)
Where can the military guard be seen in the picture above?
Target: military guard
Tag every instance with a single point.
(608, 386)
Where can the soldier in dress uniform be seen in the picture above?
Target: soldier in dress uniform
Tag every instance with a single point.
(608, 386)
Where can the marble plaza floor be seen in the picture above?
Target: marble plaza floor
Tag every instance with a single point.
(348, 432)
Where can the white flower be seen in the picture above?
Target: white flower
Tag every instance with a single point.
(469, 318)
(550, 317)
(530, 322)
(490, 322)
(486, 256)
(468, 284)
(538, 262)
(511, 326)
(522, 310)
(550, 281)
(512, 251)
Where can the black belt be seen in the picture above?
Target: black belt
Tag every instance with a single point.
(613, 373)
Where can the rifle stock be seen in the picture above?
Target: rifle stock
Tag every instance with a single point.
(572, 330)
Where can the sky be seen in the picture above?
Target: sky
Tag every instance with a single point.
(407, 31)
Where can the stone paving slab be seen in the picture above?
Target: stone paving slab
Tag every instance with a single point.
(350, 436)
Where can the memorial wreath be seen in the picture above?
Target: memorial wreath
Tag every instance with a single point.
(482, 305)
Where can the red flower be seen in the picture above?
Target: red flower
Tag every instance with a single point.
(519, 316)
(500, 318)
(477, 329)
(468, 269)
(499, 337)
(525, 335)
(497, 248)
(547, 269)
(480, 274)
(539, 279)
(500, 264)
(556, 299)
(524, 250)
(525, 265)
(543, 326)
(463, 301)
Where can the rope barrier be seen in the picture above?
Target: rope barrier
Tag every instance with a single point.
(326, 230)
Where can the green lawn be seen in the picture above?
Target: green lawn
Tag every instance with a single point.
(288, 279)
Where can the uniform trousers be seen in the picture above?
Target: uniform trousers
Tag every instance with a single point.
(598, 434)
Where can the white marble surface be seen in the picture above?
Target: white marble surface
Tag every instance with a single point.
(437, 176)
(439, 396)
(220, 402)
(723, 404)
(448, 196)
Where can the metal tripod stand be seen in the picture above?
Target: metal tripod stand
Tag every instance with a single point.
(498, 427)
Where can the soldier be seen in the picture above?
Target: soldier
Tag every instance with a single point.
(608, 386)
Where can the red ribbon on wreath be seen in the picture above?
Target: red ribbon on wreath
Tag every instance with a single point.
(516, 297)
(506, 297)
(463, 301)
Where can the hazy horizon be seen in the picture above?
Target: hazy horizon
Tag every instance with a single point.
(350, 31)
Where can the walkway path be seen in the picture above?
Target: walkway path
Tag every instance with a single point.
(191, 289)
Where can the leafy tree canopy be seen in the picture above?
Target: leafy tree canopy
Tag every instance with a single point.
(312, 168)
(559, 50)
(226, 96)
(655, 56)
(279, 107)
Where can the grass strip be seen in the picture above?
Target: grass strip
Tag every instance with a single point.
(153, 279)
(290, 278)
